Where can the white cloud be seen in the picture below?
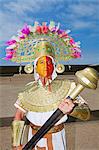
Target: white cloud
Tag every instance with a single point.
(15, 13)
(21, 6)
(82, 24)
(84, 9)
(81, 15)
(8, 25)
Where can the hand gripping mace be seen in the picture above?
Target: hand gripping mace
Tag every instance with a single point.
(86, 78)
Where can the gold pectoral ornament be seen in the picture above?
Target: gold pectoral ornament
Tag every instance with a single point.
(39, 99)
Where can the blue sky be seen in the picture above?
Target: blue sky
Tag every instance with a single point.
(80, 16)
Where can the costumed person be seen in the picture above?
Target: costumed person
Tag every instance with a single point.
(45, 46)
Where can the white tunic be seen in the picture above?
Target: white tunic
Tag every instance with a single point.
(58, 139)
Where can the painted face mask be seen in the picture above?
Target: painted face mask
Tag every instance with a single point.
(45, 66)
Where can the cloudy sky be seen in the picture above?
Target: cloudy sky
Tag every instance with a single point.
(80, 16)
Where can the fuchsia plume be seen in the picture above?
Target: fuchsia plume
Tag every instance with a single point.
(10, 42)
(25, 30)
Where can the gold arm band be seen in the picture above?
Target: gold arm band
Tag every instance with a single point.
(17, 132)
(81, 112)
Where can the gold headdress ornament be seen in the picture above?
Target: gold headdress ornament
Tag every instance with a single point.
(44, 48)
(38, 40)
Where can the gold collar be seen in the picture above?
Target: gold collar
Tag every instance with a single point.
(40, 99)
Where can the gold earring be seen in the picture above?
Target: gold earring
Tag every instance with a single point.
(28, 68)
(60, 68)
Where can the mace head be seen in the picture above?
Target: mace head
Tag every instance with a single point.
(88, 77)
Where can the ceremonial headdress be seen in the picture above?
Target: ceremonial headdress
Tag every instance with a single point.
(38, 40)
